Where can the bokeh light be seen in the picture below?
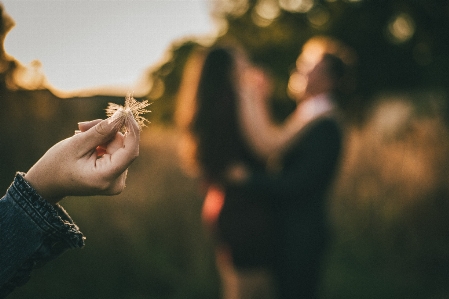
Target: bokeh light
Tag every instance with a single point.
(265, 12)
(232, 7)
(401, 28)
(318, 16)
(296, 5)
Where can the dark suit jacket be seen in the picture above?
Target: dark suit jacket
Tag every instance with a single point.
(297, 198)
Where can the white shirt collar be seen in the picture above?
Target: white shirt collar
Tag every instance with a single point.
(314, 107)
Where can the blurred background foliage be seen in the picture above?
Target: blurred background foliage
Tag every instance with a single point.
(401, 45)
(391, 197)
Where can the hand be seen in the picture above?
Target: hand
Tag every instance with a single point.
(78, 166)
(102, 149)
(237, 174)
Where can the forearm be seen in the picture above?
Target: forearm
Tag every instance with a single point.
(309, 165)
(32, 232)
(264, 136)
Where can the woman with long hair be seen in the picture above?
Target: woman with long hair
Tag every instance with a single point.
(239, 222)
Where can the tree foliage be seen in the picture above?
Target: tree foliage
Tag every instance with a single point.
(402, 45)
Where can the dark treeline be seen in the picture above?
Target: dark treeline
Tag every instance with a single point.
(402, 45)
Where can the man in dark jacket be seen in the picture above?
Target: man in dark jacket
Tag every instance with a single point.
(306, 149)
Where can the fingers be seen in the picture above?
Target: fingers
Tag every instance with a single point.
(115, 144)
(118, 150)
(102, 149)
(120, 153)
(98, 132)
(119, 184)
(86, 125)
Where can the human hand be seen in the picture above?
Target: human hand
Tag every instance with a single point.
(102, 149)
(93, 162)
(237, 173)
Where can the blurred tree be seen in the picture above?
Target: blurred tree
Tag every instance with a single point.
(7, 64)
(401, 44)
(166, 79)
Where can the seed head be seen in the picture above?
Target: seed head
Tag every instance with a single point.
(121, 115)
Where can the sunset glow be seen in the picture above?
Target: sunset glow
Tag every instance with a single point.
(87, 44)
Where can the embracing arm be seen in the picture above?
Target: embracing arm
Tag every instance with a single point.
(309, 167)
(265, 137)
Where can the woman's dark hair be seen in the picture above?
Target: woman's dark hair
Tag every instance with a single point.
(215, 124)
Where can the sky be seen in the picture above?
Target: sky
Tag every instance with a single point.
(83, 44)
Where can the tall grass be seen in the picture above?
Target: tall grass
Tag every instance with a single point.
(390, 207)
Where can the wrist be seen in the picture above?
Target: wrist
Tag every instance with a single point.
(39, 188)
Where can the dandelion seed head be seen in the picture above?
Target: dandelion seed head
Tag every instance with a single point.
(121, 115)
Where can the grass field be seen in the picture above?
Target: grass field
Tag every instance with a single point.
(390, 213)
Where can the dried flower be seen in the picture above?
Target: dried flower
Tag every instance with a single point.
(121, 114)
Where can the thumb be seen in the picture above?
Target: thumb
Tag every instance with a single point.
(101, 133)
(86, 125)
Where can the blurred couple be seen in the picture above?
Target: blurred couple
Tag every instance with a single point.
(265, 183)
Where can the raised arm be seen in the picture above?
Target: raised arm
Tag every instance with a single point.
(266, 138)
